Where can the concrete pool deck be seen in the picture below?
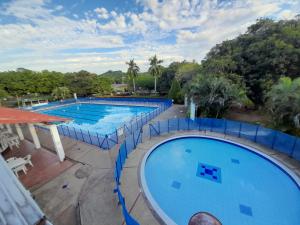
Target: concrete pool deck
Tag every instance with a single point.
(83, 194)
(136, 202)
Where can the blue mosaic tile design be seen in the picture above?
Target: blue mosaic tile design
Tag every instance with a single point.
(236, 161)
(209, 172)
(188, 150)
(247, 210)
(176, 184)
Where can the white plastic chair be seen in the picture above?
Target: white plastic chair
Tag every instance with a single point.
(3, 145)
(10, 139)
(27, 158)
(17, 169)
(11, 159)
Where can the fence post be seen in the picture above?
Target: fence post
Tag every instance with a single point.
(75, 133)
(177, 124)
(98, 140)
(62, 128)
(117, 136)
(125, 144)
(120, 159)
(168, 126)
(274, 139)
(106, 137)
(199, 128)
(158, 127)
(117, 178)
(82, 135)
(255, 138)
(141, 134)
(294, 146)
(68, 131)
(240, 130)
(133, 140)
(188, 124)
(225, 129)
(90, 137)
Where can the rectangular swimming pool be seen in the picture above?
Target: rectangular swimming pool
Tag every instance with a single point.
(98, 118)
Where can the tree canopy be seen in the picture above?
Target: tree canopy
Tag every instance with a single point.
(267, 51)
(25, 82)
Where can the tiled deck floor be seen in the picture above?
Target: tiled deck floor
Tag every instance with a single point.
(46, 164)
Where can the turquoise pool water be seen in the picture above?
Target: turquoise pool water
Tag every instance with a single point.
(188, 175)
(99, 118)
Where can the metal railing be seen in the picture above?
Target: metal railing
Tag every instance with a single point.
(107, 141)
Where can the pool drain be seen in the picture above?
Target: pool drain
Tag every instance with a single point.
(204, 218)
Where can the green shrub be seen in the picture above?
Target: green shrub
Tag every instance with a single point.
(175, 92)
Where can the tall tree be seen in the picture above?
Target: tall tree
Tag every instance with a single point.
(155, 68)
(268, 50)
(132, 71)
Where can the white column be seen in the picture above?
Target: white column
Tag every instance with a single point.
(192, 110)
(19, 132)
(185, 101)
(8, 128)
(57, 142)
(34, 136)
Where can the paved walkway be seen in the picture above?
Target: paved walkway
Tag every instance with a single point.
(130, 186)
(83, 194)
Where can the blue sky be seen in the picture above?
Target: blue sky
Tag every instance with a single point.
(102, 35)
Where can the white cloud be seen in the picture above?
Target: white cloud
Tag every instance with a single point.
(39, 38)
(102, 13)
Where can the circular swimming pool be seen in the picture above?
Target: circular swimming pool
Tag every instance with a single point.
(236, 184)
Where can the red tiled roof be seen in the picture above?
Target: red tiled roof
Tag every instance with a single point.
(12, 116)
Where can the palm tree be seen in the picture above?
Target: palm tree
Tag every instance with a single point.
(132, 71)
(284, 103)
(155, 68)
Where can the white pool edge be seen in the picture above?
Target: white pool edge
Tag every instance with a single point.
(155, 206)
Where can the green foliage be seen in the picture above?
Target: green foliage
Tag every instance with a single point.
(23, 82)
(283, 103)
(61, 93)
(26, 83)
(80, 82)
(117, 77)
(102, 85)
(167, 76)
(132, 71)
(258, 58)
(175, 92)
(186, 71)
(155, 68)
(214, 95)
(3, 93)
(145, 81)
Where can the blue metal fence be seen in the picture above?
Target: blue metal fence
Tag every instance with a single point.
(273, 139)
(110, 140)
(267, 137)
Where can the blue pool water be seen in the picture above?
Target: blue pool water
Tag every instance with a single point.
(103, 119)
(239, 187)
